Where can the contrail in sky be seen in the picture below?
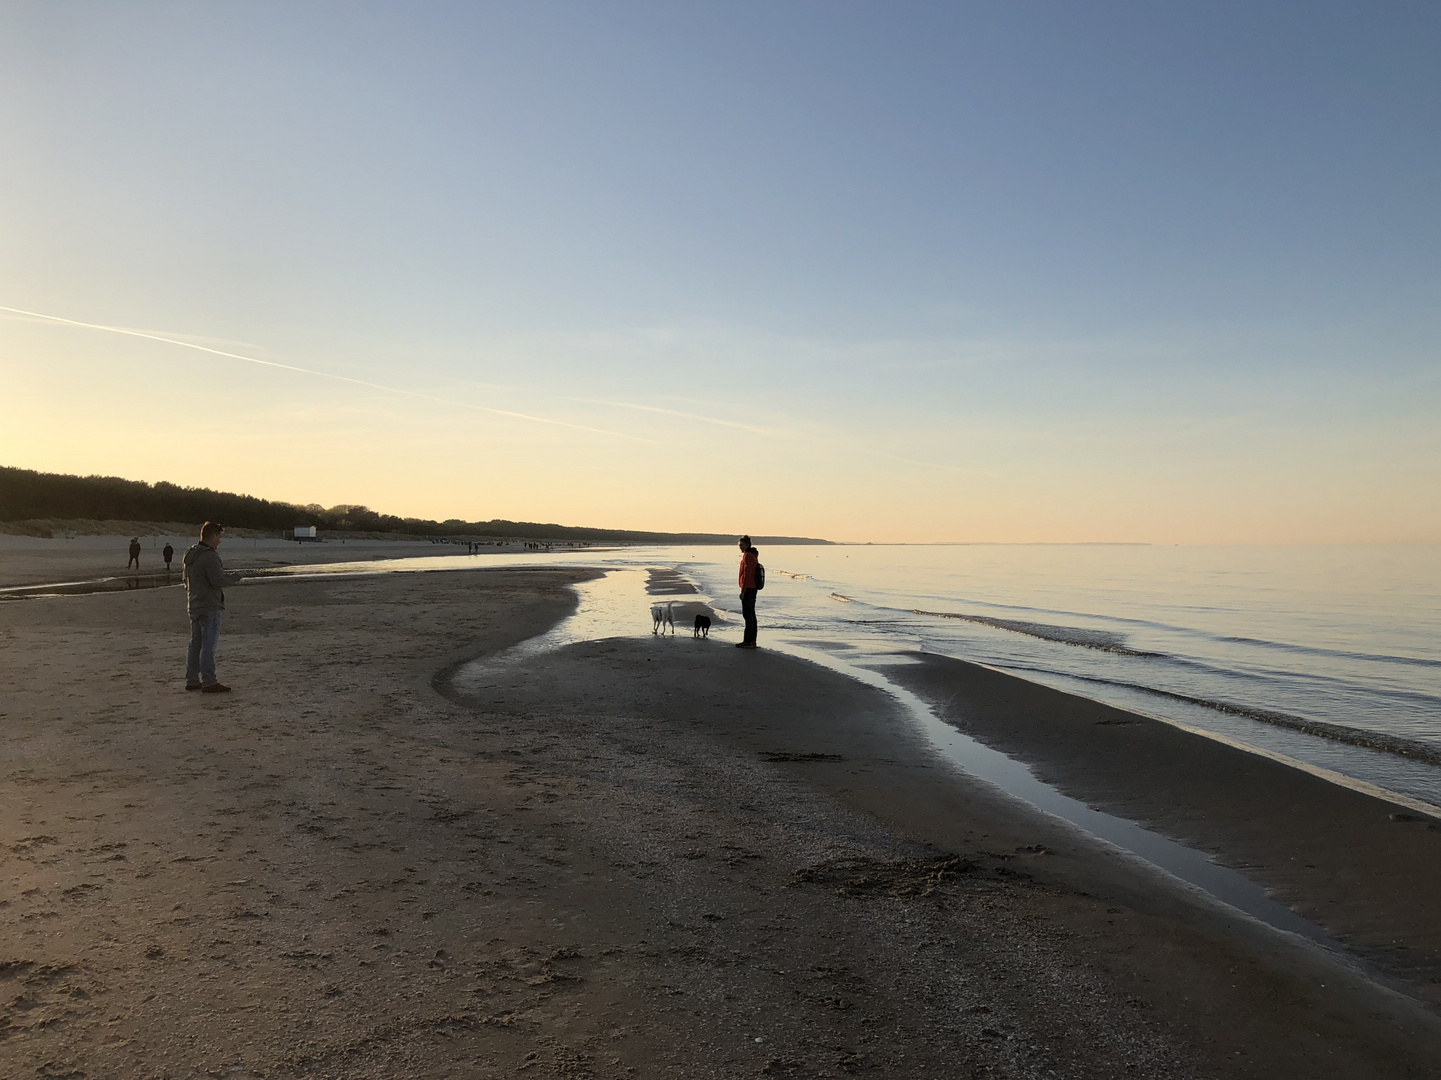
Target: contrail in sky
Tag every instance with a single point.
(862, 451)
(325, 374)
(674, 412)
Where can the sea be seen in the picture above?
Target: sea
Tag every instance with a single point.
(1328, 658)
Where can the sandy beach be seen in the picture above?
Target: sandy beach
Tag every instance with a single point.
(640, 857)
(29, 560)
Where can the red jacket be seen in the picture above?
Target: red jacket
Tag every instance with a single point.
(748, 569)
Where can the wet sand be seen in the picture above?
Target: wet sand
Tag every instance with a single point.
(1366, 870)
(649, 857)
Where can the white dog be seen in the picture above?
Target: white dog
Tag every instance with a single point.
(661, 615)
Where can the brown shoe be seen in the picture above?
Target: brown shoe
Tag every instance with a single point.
(215, 688)
(192, 686)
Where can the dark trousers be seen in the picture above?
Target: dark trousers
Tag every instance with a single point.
(748, 609)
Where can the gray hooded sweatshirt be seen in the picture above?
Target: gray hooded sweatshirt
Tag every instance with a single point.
(204, 579)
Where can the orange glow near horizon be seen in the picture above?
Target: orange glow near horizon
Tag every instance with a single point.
(82, 402)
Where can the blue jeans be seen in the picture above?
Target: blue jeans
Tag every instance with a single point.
(200, 661)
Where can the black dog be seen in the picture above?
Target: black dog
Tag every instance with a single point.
(702, 626)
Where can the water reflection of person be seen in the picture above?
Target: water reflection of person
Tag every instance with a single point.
(749, 558)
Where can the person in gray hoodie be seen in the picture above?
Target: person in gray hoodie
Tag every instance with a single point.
(205, 581)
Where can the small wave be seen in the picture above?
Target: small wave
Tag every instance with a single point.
(1104, 640)
(1372, 740)
(842, 599)
(794, 577)
(1311, 650)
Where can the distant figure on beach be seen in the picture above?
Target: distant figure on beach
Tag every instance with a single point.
(205, 581)
(134, 554)
(167, 555)
(750, 560)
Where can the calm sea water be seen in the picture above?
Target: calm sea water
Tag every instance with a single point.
(1248, 644)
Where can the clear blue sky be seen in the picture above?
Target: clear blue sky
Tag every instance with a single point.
(975, 271)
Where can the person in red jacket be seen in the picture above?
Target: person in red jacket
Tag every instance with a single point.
(749, 558)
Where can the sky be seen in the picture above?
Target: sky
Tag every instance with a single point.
(1018, 272)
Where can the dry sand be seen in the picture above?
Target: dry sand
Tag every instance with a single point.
(626, 858)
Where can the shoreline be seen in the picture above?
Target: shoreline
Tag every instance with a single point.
(624, 857)
(1355, 863)
(25, 576)
(1382, 742)
(269, 563)
(27, 562)
(274, 558)
(1401, 940)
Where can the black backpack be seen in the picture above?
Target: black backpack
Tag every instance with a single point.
(760, 577)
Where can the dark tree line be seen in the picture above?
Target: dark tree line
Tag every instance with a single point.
(27, 495)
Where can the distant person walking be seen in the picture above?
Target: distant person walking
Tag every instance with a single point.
(134, 554)
(167, 555)
(750, 565)
(205, 581)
